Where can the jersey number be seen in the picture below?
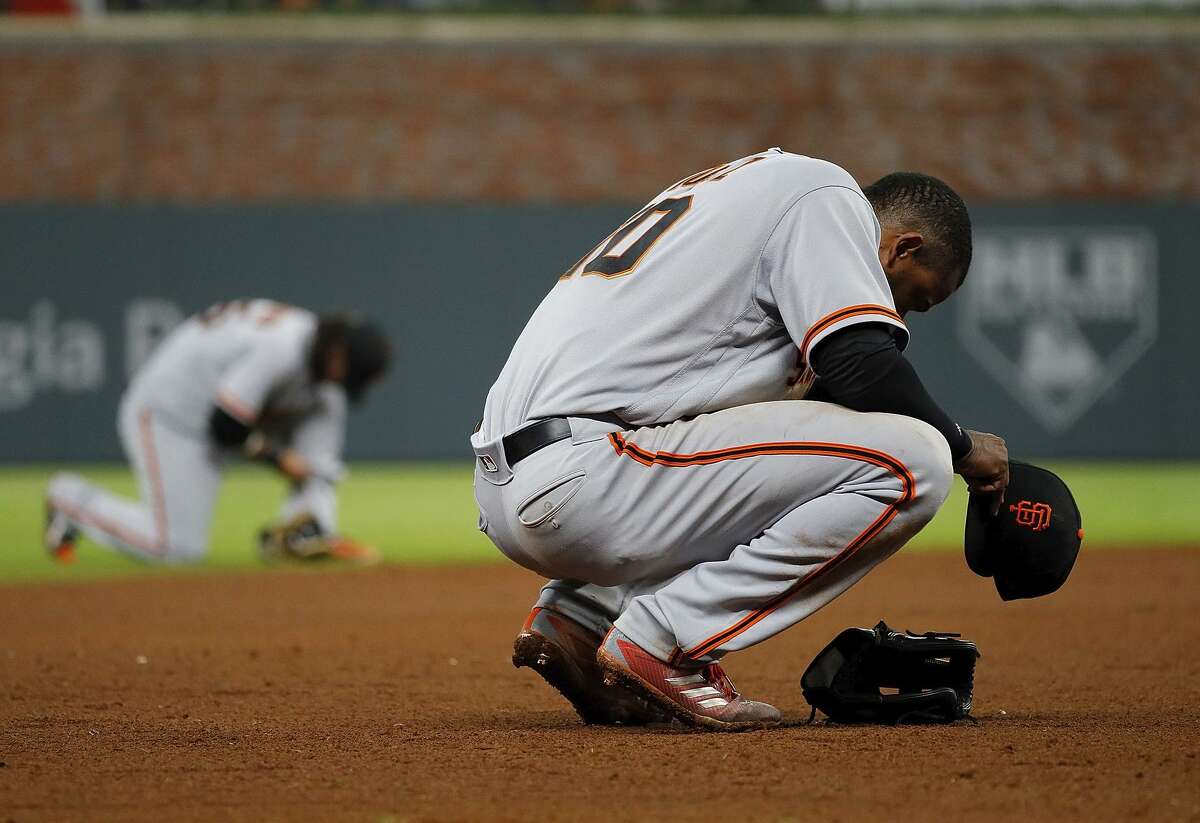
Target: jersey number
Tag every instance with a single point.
(221, 311)
(629, 244)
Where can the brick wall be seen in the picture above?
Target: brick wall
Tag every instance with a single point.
(201, 121)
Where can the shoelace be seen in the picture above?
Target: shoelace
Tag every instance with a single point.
(716, 675)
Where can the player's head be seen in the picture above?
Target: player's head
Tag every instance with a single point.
(350, 351)
(925, 246)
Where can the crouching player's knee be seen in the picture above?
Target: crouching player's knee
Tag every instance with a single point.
(926, 455)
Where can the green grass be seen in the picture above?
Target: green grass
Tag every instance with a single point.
(425, 514)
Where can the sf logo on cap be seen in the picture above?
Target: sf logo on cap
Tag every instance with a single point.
(1035, 516)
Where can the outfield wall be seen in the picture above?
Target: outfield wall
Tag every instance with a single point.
(1074, 336)
(442, 171)
(211, 109)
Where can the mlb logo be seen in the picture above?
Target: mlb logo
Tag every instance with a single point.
(488, 464)
(1057, 315)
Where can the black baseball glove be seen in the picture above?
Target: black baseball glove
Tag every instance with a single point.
(884, 676)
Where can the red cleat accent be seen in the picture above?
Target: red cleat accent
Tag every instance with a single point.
(64, 554)
(348, 551)
(702, 696)
(59, 536)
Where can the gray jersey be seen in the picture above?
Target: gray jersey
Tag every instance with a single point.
(709, 298)
(711, 518)
(248, 356)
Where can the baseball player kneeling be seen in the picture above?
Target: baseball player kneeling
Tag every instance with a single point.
(252, 377)
(646, 449)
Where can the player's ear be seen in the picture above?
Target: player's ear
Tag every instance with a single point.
(898, 247)
(907, 244)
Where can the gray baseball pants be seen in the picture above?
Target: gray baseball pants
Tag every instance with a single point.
(179, 476)
(708, 535)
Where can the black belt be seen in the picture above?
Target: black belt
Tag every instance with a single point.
(524, 442)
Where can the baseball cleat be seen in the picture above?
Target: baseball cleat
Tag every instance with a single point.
(59, 536)
(703, 697)
(563, 653)
(350, 551)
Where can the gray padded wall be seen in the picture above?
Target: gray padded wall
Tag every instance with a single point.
(1074, 336)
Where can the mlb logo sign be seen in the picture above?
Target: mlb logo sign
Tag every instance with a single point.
(1058, 315)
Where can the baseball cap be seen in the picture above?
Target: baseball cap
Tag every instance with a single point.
(1030, 546)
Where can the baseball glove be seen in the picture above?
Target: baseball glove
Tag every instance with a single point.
(302, 538)
(928, 677)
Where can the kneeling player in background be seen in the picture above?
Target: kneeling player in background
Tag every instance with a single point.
(255, 377)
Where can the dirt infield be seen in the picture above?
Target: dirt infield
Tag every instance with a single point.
(388, 695)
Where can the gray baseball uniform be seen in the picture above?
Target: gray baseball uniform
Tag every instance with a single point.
(693, 504)
(250, 357)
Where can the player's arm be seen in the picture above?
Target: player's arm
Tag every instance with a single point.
(861, 368)
(320, 437)
(229, 432)
(822, 265)
(240, 397)
(226, 430)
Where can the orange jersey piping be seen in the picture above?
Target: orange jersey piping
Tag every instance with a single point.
(844, 314)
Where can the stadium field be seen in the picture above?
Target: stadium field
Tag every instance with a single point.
(424, 514)
(389, 694)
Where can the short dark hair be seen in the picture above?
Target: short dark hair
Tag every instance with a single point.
(922, 203)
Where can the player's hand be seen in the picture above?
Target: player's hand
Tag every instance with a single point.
(985, 466)
(259, 447)
(293, 465)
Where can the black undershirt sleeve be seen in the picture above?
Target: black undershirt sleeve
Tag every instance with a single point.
(226, 429)
(860, 368)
